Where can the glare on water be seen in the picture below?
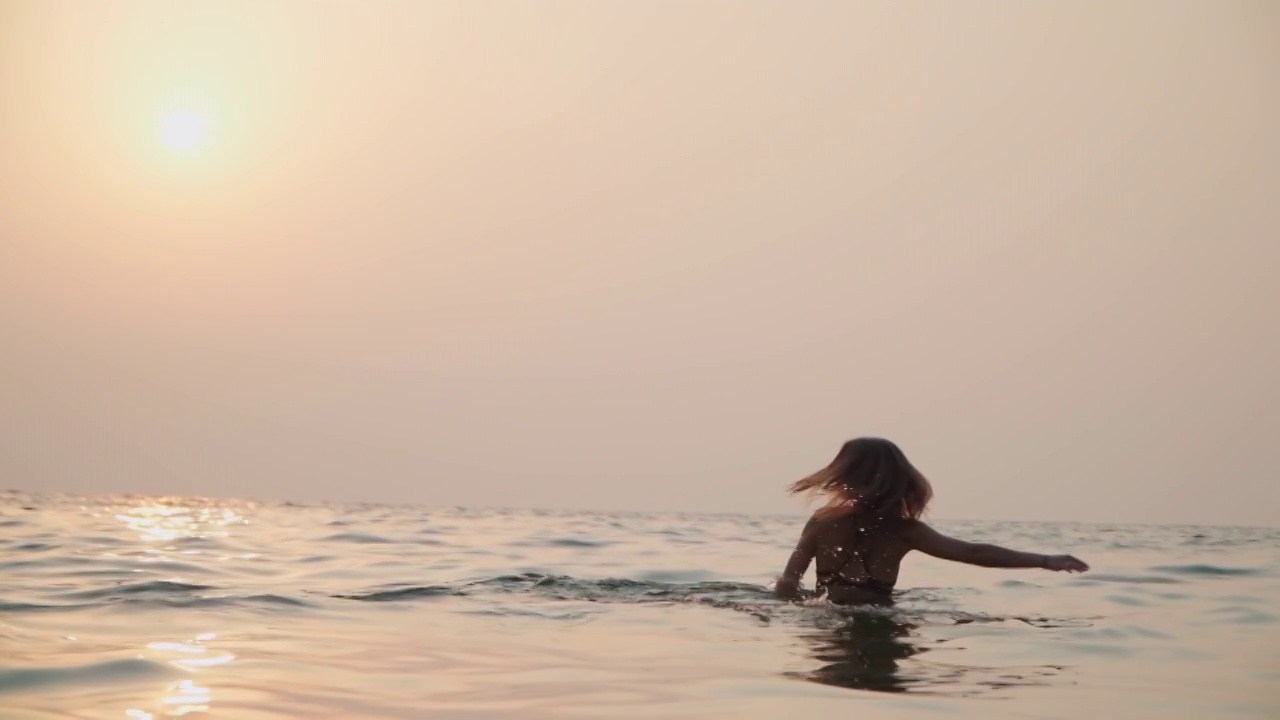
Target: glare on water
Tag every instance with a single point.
(182, 607)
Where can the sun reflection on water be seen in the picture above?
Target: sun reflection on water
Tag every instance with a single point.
(166, 522)
(192, 654)
(184, 697)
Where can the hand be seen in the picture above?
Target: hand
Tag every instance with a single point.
(1059, 563)
(787, 589)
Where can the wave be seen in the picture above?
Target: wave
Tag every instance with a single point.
(564, 587)
(148, 587)
(1095, 578)
(753, 600)
(154, 593)
(361, 538)
(1207, 570)
(405, 593)
(34, 547)
(576, 543)
(7, 606)
(111, 671)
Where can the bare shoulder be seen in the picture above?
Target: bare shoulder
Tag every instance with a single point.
(817, 525)
(821, 526)
(910, 525)
(913, 531)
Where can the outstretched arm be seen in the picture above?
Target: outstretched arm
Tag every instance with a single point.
(931, 542)
(788, 586)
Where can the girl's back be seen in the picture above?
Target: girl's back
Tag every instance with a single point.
(857, 555)
(872, 521)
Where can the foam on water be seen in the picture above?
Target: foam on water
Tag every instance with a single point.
(149, 608)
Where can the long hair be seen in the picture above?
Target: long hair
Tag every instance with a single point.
(869, 475)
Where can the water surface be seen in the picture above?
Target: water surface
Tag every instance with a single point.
(132, 607)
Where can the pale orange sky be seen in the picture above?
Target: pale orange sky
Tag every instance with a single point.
(649, 255)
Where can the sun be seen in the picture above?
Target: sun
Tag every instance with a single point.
(183, 131)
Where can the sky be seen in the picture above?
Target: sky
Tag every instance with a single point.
(644, 255)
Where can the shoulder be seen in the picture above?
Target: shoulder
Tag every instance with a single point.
(911, 529)
(820, 524)
(816, 523)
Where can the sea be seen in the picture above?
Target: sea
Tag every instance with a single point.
(161, 607)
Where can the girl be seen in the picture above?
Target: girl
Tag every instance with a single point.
(872, 520)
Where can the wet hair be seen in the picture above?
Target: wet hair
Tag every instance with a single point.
(869, 475)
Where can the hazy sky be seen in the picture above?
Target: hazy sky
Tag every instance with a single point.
(649, 255)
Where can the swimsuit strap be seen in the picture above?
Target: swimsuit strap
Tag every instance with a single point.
(868, 579)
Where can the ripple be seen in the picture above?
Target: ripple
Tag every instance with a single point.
(271, 599)
(1118, 651)
(25, 607)
(1127, 600)
(206, 542)
(1240, 615)
(359, 538)
(111, 671)
(562, 587)
(406, 593)
(678, 576)
(159, 564)
(1207, 570)
(1095, 578)
(576, 543)
(1019, 584)
(527, 612)
(49, 562)
(287, 595)
(157, 587)
(100, 540)
(116, 572)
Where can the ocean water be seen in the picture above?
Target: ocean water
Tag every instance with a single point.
(135, 607)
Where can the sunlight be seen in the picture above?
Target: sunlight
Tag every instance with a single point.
(183, 131)
(166, 523)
